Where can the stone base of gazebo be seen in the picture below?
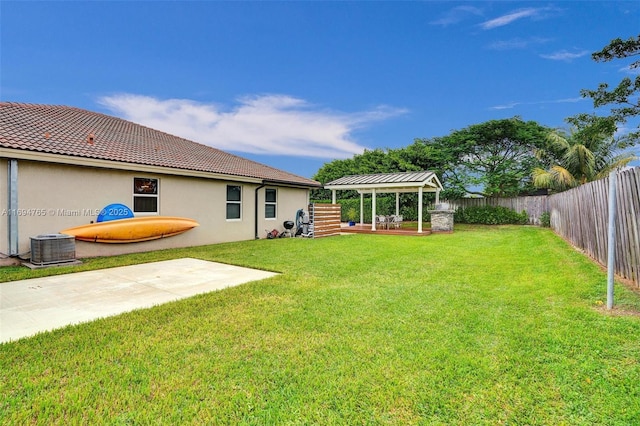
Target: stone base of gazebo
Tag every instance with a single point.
(441, 220)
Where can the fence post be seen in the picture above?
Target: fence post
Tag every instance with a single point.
(611, 240)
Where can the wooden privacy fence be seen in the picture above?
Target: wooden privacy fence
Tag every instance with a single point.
(324, 219)
(534, 206)
(581, 216)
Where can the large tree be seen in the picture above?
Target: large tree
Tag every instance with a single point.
(495, 158)
(625, 98)
(370, 161)
(588, 152)
(411, 158)
(492, 159)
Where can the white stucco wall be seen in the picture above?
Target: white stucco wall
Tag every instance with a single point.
(56, 197)
(289, 201)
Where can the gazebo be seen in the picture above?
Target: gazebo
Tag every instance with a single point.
(388, 183)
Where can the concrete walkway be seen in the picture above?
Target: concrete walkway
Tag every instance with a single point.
(41, 304)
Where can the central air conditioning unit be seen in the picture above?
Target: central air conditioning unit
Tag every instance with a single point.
(49, 249)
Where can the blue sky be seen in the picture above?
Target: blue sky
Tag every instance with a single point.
(298, 84)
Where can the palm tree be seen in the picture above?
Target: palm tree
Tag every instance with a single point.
(587, 153)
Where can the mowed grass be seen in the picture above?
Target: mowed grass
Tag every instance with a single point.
(488, 325)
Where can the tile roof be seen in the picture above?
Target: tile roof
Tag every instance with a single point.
(76, 132)
(383, 179)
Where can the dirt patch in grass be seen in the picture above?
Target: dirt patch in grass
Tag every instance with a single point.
(617, 312)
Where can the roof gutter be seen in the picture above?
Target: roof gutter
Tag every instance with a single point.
(291, 184)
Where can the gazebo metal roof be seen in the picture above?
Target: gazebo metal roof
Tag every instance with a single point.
(387, 182)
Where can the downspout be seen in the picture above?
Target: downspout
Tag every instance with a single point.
(12, 206)
(262, 185)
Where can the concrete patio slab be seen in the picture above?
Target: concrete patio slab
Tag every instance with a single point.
(31, 306)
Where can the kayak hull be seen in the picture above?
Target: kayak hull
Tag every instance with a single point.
(132, 230)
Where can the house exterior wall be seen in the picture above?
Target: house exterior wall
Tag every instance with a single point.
(289, 201)
(4, 231)
(55, 197)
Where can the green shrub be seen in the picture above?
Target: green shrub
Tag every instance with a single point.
(545, 220)
(352, 214)
(491, 215)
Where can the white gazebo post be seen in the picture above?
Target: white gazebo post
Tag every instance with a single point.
(373, 209)
(420, 210)
(437, 197)
(361, 208)
(333, 196)
(397, 203)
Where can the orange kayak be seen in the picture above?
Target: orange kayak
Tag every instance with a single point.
(132, 230)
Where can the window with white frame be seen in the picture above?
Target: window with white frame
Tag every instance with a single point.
(234, 202)
(270, 202)
(145, 195)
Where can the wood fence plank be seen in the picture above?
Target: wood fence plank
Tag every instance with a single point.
(622, 248)
(325, 219)
(581, 216)
(634, 212)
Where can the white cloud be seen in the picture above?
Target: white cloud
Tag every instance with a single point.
(509, 18)
(512, 105)
(631, 70)
(265, 124)
(533, 13)
(455, 15)
(517, 43)
(568, 100)
(622, 130)
(565, 55)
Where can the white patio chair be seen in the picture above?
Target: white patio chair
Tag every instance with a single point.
(396, 221)
(382, 221)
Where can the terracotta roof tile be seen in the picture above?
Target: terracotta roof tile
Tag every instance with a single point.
(67, 130)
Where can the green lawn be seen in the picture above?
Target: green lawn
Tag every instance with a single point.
(488, 325)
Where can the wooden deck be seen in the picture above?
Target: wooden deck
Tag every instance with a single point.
(366, 229)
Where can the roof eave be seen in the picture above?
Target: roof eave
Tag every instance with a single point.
(117, 165)
(277, 182)
(393, 187)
